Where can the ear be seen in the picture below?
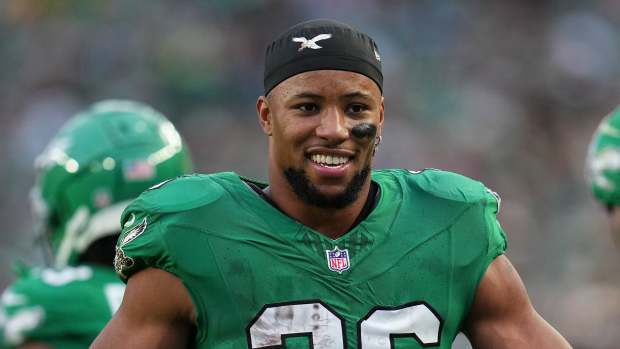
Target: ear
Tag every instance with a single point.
(381, 114)
(264, 115)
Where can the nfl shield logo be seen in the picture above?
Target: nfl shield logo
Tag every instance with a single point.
(337, 259)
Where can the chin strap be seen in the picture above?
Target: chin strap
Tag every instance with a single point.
(74, 225)
(83, 229)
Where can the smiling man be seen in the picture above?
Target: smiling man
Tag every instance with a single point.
(328, 254)
(317, 166)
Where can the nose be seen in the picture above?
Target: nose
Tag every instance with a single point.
(332, 126)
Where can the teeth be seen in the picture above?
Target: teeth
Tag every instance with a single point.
(329, 159)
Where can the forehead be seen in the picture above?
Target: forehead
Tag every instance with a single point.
(327, 83)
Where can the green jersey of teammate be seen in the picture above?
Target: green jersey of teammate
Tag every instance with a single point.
(61, 308)
(404, 277)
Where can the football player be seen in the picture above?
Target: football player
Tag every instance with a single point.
(328, 254)
(603, 169)
(100, 160)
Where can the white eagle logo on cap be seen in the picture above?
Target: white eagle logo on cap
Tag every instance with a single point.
(305, 43)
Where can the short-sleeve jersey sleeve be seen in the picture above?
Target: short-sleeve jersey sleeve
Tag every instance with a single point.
(141, 243)
(146, 223)
(496, 237)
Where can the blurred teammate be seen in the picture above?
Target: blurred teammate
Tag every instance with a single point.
(328, 254)
(603, 169)
(99, 161)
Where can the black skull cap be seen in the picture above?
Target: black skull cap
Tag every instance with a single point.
(321, 44)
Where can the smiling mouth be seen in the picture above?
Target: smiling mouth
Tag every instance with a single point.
(329, 160)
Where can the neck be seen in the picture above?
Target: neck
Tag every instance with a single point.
(331, 222)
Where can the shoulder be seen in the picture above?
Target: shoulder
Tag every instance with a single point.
(183, 193)
(168, 198)
(164, 212)
(49, 287)
(48, 300)
(43, 286)
(443, 185)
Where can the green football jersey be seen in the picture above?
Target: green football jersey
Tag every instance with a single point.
(62, 308)
(404, 277)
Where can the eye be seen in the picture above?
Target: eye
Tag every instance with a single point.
(356, 108)
(307, 108)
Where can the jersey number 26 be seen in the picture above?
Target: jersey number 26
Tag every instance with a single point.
(324, 328)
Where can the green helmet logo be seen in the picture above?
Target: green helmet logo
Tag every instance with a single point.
(98, 162)
(603, 162)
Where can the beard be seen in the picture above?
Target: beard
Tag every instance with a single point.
(309, 194)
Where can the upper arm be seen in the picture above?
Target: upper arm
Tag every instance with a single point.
(502, 315)
(156, 312)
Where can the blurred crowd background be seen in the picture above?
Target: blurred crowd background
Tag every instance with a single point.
(507, 92)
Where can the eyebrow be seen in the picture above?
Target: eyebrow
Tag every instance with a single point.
(308, 95)
(357, 95)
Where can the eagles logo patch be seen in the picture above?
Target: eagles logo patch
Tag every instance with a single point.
(134, 233)
(122, 262)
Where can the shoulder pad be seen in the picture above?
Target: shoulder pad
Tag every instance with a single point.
(31, 305)
(449, 185)
(43, 285)
(180, 194)
(142, 239)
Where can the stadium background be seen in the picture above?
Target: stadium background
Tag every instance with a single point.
(507, 92)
